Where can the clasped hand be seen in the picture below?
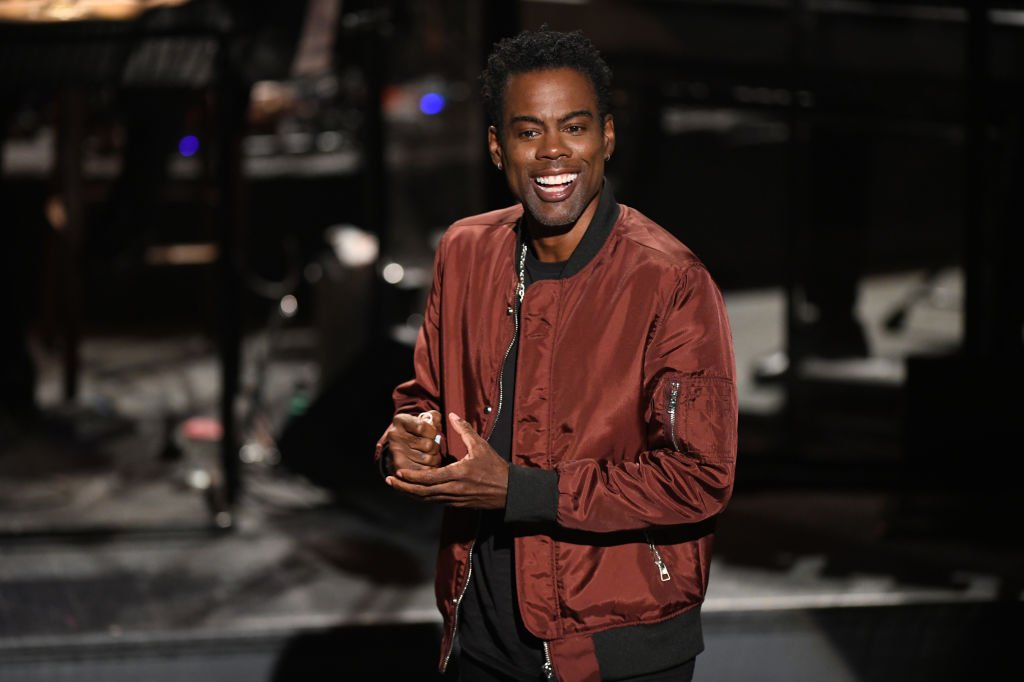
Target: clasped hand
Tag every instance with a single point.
(477, 481)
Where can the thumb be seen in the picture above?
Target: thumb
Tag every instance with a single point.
(465, 430)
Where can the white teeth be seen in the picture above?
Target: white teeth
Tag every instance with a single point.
(562, 179)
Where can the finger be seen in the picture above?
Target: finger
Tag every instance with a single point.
(465, 430)
(407, 424)
(433, 417)
(435, 424)
(416, 446)
(424, 492)
(402, 455)
(429, 477)
(409, 465)
(418, 460)
(446, 493)
(430, 426)
(419, 491)
(425, 445)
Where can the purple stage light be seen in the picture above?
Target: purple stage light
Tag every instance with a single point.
(188, 145)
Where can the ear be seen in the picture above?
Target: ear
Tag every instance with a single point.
(494, 146)
(609, 136)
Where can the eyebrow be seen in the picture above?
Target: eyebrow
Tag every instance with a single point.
(571, 115)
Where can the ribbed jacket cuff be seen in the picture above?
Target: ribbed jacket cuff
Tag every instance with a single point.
(532, 495)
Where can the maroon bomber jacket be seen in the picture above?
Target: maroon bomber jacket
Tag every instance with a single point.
(625, 425)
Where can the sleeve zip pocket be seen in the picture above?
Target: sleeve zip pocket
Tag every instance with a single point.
(659, 562)
(672, 408)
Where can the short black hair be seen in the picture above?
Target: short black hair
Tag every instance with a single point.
(537, 51)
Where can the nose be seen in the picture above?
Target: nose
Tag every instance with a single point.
(554, 147)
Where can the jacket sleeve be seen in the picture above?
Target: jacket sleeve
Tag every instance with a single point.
(423, 391)
(686, 473)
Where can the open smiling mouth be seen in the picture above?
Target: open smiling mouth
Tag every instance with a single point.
(555, 185)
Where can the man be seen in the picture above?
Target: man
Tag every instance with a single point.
(593, 352)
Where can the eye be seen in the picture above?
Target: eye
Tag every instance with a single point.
(529, 134)
(575, 129)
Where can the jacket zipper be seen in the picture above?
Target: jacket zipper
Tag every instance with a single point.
(547, 668)
(520, 293)
(673, 406)
(458, 602)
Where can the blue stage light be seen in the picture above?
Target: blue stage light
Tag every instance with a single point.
(431, 103)
(188, 145)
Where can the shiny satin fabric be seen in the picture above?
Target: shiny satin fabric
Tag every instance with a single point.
(625, 387)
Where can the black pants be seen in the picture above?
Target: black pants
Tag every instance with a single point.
(471, 671)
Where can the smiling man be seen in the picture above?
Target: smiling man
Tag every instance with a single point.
(584, 361)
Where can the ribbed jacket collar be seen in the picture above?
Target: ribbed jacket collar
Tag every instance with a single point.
(594, 238)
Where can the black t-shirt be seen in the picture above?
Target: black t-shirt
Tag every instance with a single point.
(491, 630)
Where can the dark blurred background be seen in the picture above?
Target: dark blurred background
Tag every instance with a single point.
(218, 222)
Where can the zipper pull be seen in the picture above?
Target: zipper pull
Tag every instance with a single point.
(673, 396)
(549, 670)
(659, 563)
(663, 571)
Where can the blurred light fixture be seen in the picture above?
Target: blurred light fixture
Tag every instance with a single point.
(352, 246)
(188, 145)
(393, 273)
(289, 305)
(199, 479)
(432, 103)
(56, 212)
(44, 11)
(182, 254)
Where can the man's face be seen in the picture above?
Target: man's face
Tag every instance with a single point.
(553, 144)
